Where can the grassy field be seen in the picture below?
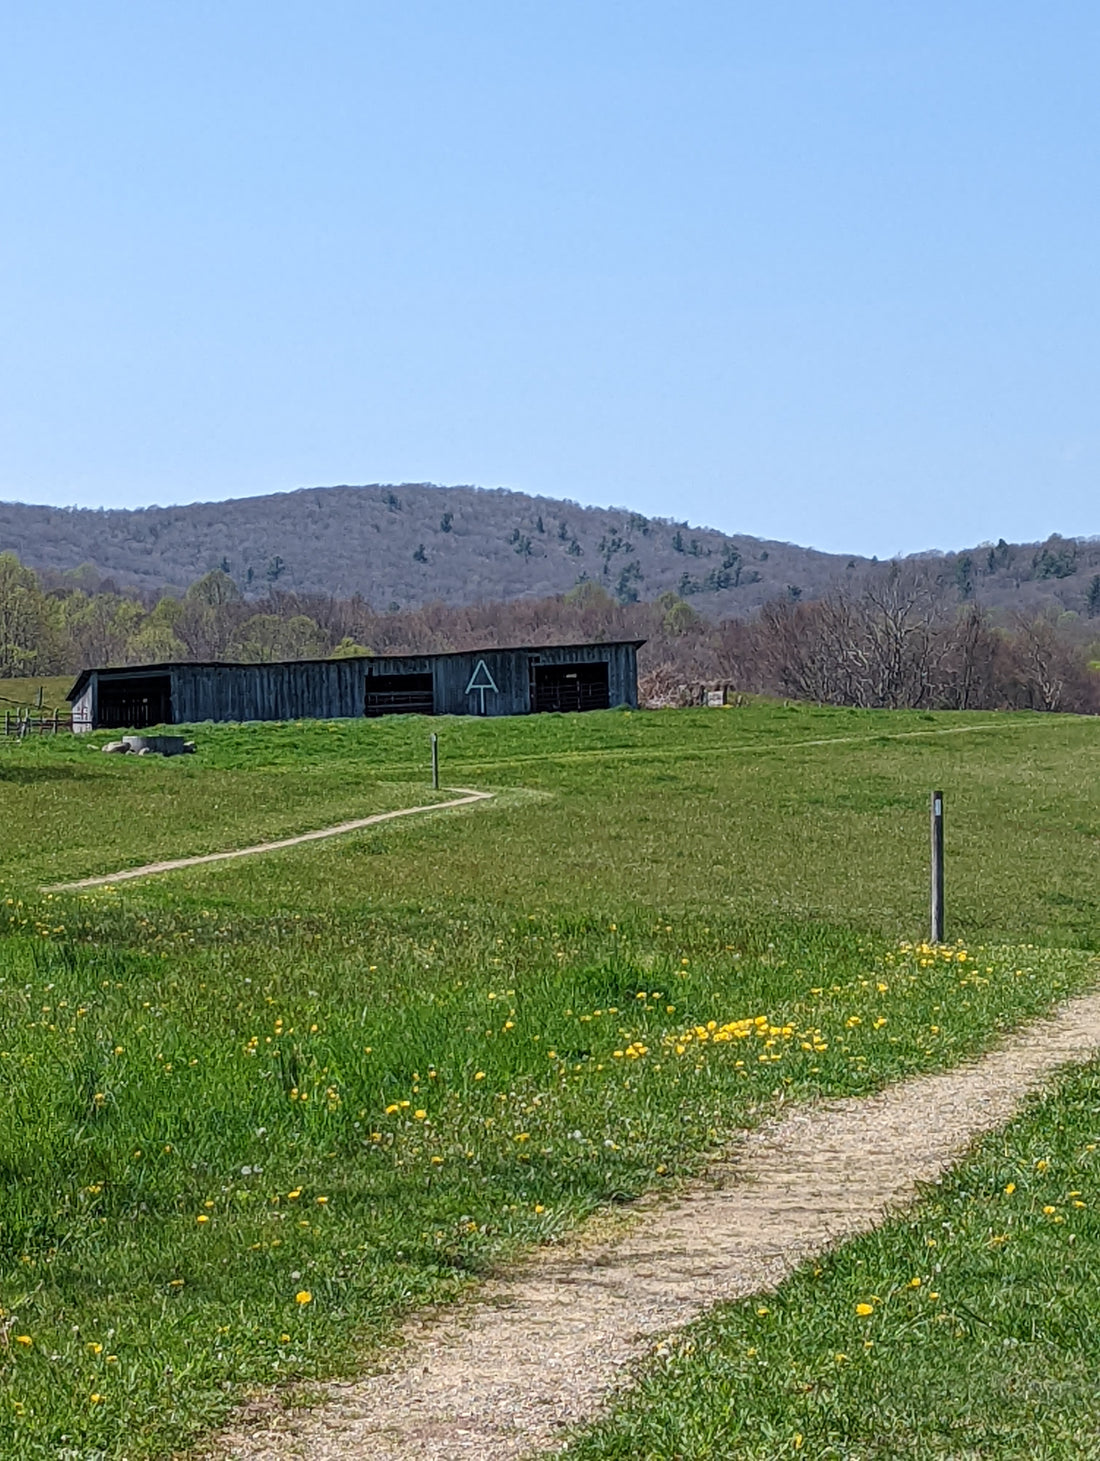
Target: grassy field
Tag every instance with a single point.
(966, 1330)
(70, 811)
(54, 689)
(255, 1112)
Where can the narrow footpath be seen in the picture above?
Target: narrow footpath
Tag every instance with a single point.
(150, 869)
(501, 1375)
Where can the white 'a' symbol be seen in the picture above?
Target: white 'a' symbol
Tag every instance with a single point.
(481, 680)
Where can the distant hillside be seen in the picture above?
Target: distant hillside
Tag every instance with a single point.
(405, 546)
(412, 545)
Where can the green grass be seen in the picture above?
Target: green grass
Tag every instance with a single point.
(725, 810)
(981, 1342)
(54, 689)
(235, 1034)
(70, 811)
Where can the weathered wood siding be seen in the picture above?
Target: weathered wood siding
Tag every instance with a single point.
(84, 709)
(328, 689)
(304, 690)
(510, 672)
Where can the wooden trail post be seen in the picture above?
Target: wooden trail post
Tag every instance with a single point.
(937, 867)
(435, 762)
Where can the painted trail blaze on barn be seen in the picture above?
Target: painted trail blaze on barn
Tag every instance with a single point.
(480, 681)
(500, 681)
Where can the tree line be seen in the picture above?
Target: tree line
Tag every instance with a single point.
(894, 639)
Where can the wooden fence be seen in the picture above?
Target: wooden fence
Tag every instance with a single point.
(27, 723)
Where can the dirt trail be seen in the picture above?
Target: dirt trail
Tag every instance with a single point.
(501, 1375)
(465, 800)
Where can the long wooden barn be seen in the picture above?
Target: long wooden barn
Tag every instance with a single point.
(561, 677)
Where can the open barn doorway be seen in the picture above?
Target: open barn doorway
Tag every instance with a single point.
(134, 702)
(400, 695)
(569, 687)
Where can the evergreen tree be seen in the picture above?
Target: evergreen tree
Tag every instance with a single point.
(1092, 597)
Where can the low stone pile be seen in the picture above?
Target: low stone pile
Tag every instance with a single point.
(150, 746)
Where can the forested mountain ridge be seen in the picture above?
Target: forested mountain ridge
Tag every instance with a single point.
(409, 545)
(414, 544)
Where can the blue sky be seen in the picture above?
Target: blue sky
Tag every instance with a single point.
(818, 271)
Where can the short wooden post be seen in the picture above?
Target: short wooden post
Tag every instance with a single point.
(7, 722)
(937, 867)
(41, 689)
(56, 715)
(435, 762)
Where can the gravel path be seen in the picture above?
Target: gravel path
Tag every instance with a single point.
(503, 1374)
(465, 800)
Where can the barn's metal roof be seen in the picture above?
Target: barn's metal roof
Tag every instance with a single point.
(221, 664)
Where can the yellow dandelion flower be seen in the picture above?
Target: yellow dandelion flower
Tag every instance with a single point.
(303, 1296)
(864, 1309)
